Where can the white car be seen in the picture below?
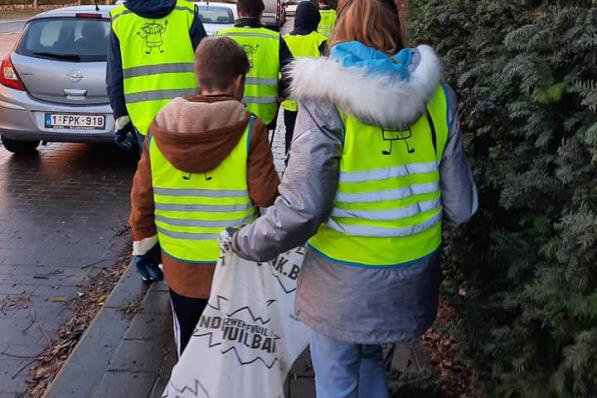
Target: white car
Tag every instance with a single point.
(290, 7)
(216, 16)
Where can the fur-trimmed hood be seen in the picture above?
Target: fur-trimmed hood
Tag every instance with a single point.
(390, 92)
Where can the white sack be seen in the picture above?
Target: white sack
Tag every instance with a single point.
(248, 336)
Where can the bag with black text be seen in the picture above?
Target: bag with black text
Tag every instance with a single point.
(248, 336)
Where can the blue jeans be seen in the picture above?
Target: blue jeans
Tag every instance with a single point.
(347, 370)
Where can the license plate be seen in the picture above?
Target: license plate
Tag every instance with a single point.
(74, 121)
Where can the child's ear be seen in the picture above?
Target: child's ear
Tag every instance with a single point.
(240, 80)
(239, 86)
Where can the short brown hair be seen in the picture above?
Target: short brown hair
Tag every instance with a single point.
(218, 61)
(375, 23)
(251, 8)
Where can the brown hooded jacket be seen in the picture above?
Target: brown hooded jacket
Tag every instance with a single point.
(196, 134)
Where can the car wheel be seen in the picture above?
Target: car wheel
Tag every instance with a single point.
(19, 146)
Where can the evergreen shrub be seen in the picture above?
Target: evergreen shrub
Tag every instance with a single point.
(525, 72)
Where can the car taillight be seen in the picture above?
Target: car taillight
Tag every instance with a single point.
(8, 75)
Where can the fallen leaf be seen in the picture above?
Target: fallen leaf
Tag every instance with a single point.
(58, 299)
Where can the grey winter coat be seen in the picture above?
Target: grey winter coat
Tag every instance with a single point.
(362, 305)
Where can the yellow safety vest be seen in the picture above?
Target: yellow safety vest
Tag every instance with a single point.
(191, 209)
(302, 46)
(157, 60)
(327, 23)
(261, 87)
(387, 210)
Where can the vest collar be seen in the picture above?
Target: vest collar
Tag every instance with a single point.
(248, 23)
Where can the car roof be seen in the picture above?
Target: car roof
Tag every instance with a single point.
(216, 3)
(72, 11)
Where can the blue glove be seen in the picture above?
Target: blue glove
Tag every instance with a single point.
(148, 264)
(126, 137)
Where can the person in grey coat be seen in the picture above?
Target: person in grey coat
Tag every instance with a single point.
(353, 308)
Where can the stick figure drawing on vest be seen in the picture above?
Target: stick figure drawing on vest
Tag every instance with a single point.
(152, 33)
(389, 135)
(251, 51)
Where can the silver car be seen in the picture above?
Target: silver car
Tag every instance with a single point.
(216, 16)
(52, 85)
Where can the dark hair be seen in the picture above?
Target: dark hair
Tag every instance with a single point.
(324, 2)
(251, 8)
(218, 61)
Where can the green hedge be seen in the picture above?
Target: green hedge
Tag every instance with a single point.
(526, 75)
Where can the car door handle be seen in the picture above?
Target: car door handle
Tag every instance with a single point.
(75, 92)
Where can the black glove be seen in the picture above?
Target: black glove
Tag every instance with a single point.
(126, 137)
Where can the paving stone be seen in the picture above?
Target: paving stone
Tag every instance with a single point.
(140, 355)
(148, 326)
(24, 351)
(14, 331)
(14, 373)
(156, 302)
(159, 386)
(134, 291)
(125, 385)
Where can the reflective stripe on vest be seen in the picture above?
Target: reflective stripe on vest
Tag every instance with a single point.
(302, 46)
(157, 60)
(387, 210)
(191, 209)
(327, 23)
(261, 87)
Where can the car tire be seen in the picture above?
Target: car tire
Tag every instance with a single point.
(19, 146)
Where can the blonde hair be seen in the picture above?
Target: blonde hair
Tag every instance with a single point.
(375, 23)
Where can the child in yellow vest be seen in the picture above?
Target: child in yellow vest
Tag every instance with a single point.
(303, 41)
(206, 165)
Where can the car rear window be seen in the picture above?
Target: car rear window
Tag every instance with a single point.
(68, 39)
(217, 15)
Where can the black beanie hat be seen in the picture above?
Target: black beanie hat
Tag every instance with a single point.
(306, 18)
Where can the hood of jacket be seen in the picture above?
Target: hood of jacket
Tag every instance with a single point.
(151, 8)
(197, 133)
(306, 18)
(386, 91)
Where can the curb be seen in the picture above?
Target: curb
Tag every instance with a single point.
(84, 369)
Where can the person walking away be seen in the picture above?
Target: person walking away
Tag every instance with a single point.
(377, 164)
(206, 164)
(268, 56)
(303, 41)
(150, 61)
(328, 18)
